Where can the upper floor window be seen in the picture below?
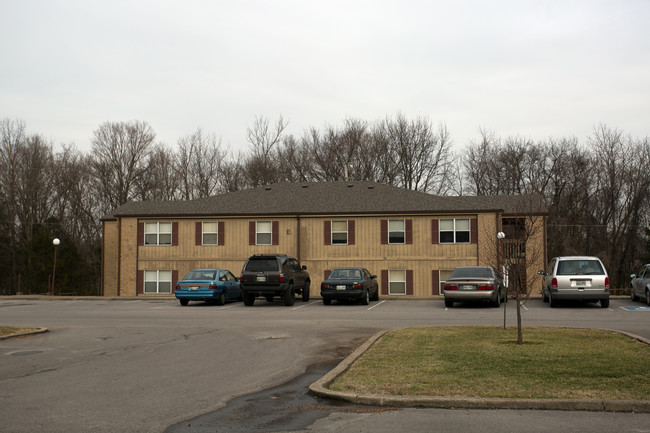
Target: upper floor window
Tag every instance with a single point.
(158, 233)
(454, 231)
(159, 281)
(264, 233)
(396, 232)
(210, 233)
(339, 232)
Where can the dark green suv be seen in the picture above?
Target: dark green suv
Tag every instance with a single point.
(272, 275)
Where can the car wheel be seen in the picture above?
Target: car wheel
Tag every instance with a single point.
(647, 297)
(604, 303)
(632, 294)
(365, 298)
(544, 297)
(221, 299)
(184, 302)
(497, 303)
(375, 296)
(449, 303)
(305, 292)
(327, 301)
(289, 296)
(552, 302)
(249, 299)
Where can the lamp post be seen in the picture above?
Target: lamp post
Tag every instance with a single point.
(500, 237)
(56, 243)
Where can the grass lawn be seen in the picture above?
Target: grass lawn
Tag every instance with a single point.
(481, 361)
(7, 330)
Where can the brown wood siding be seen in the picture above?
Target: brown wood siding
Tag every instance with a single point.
(408, 226)
(275, 235)
(384, 281)
(251, 233)
(435, 282)
(409, 282)
(327, 232)
(198, 233)
(139, 287)
(473, 235)
(221, 235)
(351, 232)
(384, 232)
(435, 235)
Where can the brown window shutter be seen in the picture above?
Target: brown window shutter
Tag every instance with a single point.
(198, 235)
(473, 234)
(139, 283)
(351, 232)
(384, 282)
(174, 279)
(327, 273)
(140, 234)
(409, 231)
(251, 233)
(327, 232)
(435, 235)
(409, 282)
(175, 233)
(384, 232)
(221, 236)
(435, 282)
(275, 235)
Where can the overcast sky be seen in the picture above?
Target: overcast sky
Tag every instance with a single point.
(536, 69)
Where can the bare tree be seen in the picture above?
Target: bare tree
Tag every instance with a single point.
(120, 151)
(262, 166)
(200, 163)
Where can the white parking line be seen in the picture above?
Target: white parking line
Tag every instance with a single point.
(376, 305)
(305, 305)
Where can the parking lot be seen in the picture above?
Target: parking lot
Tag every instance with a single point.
(145, 364)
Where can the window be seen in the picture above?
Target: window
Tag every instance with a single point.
(157, 281)
(264, 233)
(444, 276)
(396, 232)
(210, 233)
(158, 233)
(397, 282)
(454, 231)
(339, 232)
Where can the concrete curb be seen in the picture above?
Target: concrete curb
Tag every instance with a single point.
(319, 388)
(22, 334)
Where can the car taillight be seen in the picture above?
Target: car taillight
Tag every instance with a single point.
(282, 278)
(212, 287)
(450, 287)
(178, 287)
(241, 279)
(606, 283)
(486, 287)
(324, 286)
(358, 286)
(554, 283)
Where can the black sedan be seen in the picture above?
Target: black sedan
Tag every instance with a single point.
(350, 284)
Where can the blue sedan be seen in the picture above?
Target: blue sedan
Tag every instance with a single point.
(218, 285)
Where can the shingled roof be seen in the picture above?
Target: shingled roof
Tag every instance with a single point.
(315, 198)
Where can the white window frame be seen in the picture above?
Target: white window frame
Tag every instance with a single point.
(332, 241)
(156, 277)
(150, 231)
(204, 232)
(258, 232)
(403, 231)
(392, 280)
(454, 230)
(441, 280)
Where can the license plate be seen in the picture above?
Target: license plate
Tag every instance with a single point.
(340, 287)
(194, 288)
(261, 279)
(581, 283)
(467, 287)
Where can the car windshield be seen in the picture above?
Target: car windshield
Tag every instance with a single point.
(345, 274)
(579, 267)
(262, 265)
(471, 273)
(200, 275)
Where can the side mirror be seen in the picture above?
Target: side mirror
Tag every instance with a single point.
(633, 276)
(304, 268)
(373, 277)
(542, 273)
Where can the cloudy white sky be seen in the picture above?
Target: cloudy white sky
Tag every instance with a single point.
(535, 69)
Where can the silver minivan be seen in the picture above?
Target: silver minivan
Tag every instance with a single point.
(581, 278)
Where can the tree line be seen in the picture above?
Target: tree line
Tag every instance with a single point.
(597, 192)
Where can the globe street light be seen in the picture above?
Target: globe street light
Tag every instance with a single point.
(56, 243)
